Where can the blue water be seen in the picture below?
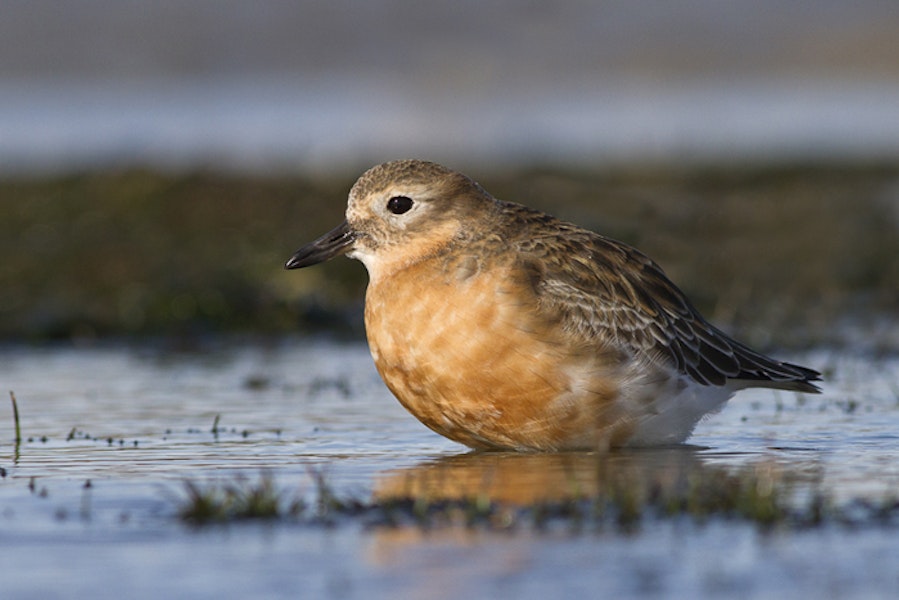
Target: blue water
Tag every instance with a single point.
(140, 422)
(342, 85)
(309, 124)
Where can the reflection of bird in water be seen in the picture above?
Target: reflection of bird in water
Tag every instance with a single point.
(528, 478)
(501, 327)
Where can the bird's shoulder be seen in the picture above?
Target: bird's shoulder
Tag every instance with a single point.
(607, 293)
(603, 285)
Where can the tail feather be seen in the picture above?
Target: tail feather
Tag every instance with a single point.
(757, 370)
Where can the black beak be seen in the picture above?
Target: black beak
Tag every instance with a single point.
(334, 243)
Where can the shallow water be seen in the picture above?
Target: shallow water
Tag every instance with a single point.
(343, 124)
(137, 421)
(312, 86)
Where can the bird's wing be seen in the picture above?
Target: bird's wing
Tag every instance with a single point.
(608, 293)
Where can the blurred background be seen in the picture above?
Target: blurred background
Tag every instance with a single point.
(159, 161)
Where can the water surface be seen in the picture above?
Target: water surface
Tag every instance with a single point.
(136, 422)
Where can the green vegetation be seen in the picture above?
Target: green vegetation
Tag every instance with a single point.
(141, 253)
(15, 417)
(758, 495)
(236, 501)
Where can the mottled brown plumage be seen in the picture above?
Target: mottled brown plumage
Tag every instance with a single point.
(502, 327)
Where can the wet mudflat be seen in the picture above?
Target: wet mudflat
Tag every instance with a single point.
(95, 491)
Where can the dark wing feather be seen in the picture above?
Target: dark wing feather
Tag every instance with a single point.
(606, 291)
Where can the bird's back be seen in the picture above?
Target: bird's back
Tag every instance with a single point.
(608, 293)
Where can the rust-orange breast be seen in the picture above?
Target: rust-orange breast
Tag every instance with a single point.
(461, 345)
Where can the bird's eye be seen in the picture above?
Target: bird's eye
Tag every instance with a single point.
(399, 204)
